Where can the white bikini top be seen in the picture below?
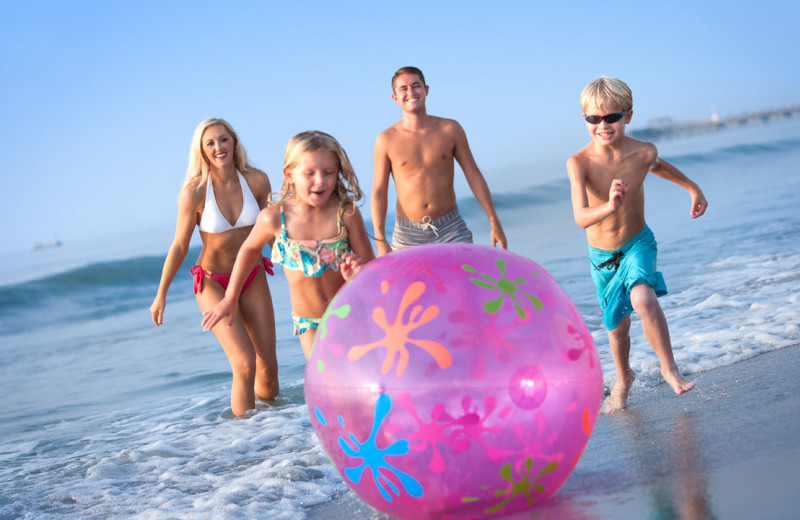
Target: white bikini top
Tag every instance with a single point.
(213, 221)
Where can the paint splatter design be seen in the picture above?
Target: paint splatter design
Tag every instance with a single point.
(506, 287)
(521, 485)
(458, 432)
(397, 333)
(374, 457)
(489, 334)
(340, 312)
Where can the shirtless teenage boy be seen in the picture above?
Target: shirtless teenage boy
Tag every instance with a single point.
(607, 183)
(418, 152)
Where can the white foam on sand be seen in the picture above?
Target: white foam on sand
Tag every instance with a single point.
(202, 464)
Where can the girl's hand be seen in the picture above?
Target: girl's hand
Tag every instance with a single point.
(215, 314)
(349, 266)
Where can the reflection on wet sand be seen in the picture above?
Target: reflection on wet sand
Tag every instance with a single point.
(671, 467)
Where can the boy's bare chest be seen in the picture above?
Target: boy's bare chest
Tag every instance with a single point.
(600, 175)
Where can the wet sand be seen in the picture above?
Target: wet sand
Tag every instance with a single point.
(728, 449)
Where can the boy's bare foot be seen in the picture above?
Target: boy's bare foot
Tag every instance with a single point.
(618, 398)
(678, 383)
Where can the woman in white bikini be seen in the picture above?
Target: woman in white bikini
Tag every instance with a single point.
(222, 196)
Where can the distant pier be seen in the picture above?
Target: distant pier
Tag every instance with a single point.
(665, 128)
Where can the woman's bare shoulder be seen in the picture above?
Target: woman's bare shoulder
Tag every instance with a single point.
(192, 193)
(259, 184)
(256, 178)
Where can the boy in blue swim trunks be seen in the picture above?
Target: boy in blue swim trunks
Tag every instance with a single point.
(607, 182)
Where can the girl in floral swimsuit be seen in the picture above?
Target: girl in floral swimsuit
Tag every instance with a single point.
(318, 232)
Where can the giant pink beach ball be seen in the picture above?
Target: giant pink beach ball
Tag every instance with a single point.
(453, 381)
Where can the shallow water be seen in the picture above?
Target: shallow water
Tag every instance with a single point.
(107, 416)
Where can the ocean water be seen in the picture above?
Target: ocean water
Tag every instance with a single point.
(106, 416)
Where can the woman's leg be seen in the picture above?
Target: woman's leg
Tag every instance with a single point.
(257, 312)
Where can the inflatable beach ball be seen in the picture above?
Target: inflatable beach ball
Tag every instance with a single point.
(453, 381)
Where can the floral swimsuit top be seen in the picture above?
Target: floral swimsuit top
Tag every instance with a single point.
(313, 257)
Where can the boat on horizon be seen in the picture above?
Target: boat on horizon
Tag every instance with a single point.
(38, 246)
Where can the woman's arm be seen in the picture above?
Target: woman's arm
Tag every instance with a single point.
(187, 220)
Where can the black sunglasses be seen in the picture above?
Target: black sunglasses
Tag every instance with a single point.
(608, 118)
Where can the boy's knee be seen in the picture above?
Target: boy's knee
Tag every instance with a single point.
(621, 331)
(644, 300)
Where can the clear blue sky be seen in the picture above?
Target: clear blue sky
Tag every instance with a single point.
(100, 98)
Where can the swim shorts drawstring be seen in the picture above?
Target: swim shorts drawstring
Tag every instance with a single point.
(613, 262)
(427, 226)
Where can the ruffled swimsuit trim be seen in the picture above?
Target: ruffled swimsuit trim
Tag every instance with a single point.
(313, 257)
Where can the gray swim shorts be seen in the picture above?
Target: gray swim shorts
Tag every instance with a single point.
(447, 228)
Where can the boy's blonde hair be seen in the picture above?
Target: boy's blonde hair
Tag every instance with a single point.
(605, 91)
(198, 162)
(347, 188)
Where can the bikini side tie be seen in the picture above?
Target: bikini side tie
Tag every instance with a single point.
(199, 273)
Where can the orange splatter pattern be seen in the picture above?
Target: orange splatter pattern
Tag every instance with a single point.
(397, 333)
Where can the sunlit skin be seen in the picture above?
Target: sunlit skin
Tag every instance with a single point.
(419, 152)
(249, 341)
(218, 147)
(607, 189)
(311, 214)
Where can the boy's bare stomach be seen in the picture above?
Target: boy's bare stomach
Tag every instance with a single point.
(434, 209)
(612, 238)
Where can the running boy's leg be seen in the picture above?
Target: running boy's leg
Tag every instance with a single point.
(654, 325)
(620, 341)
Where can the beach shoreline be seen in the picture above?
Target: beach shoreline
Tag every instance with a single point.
(140, 424)
(727, 449)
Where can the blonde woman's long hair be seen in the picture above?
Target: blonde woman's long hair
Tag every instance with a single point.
(198, 162)
(347, 188)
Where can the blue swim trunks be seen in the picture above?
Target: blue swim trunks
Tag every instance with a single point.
(616, 272)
